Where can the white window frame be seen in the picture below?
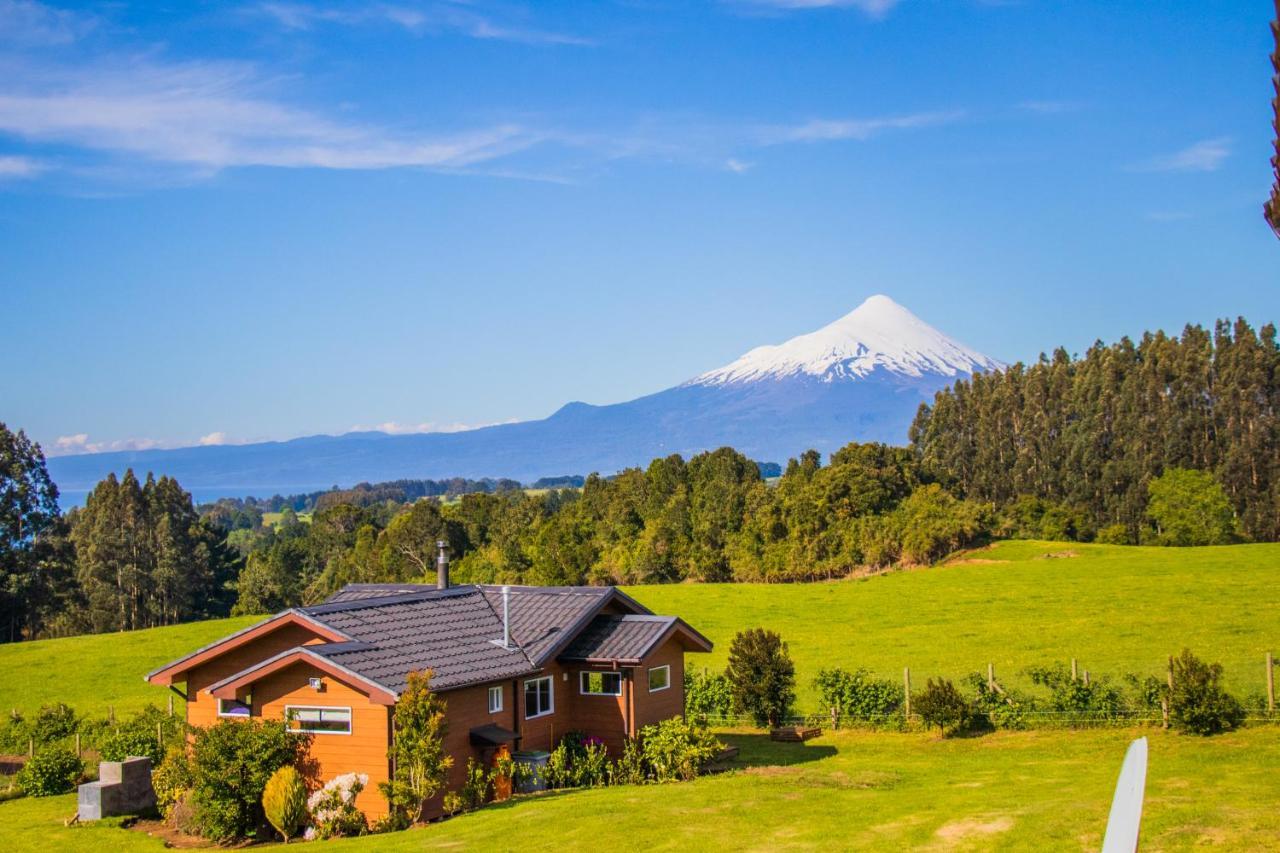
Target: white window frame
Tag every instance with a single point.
(496, 690)
(351, 719)
(551, 697)
(248, 705)
(582, 682)
(652, 670)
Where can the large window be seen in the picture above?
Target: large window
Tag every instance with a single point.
(233, 708)
(495, 699)
(659, 678)
(538, 699)
(600, 683)
(320, 721)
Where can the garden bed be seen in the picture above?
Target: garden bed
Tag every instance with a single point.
(795, 734)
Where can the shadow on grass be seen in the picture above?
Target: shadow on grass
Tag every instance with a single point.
(757, 750)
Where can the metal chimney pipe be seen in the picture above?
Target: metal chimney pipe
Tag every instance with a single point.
(506, 617)
(442, 564)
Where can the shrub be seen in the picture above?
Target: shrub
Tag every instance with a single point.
(138, 736)
(52, 770)
(451, 804)
(53, 723)
(1077, 700)
(284, 801)
(592, 767)
(934, 524)
(558, 772)
(1115, 534)
(676, 750)
(333, 808)
(761, 677)
(231, 763)
(1005, 710)
(629, 769)
(706, 696)
(940, 704)
(856, 695)
(417, 750)
(172, 779)
(475, 788)
(1197, 702)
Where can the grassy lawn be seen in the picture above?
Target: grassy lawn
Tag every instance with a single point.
(848, 790)
(1116, 609)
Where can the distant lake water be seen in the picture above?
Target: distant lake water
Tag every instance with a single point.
(68, 498)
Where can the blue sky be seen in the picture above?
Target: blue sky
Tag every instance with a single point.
(232, 222)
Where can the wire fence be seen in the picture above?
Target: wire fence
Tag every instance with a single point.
(898, 721)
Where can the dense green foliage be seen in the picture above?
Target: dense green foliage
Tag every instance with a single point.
(34, 558)
(941, 704)
(1090, 434)
(284, 801)
(761, 676)
(53, 770)
(857, 696)
(1197, 702)
(230, 765)
(143, 558)
(1190, 508)
(417, 750)
(707, 696)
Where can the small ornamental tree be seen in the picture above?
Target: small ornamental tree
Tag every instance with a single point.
(284, 801)
(417, 750)
(941, 705)
(1197, 702)
(762, 678)
(53, 770)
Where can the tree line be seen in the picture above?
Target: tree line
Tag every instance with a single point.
(1170, 440)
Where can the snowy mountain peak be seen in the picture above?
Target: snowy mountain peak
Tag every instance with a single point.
(878, 334)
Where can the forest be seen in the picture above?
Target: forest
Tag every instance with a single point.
(1166, 441)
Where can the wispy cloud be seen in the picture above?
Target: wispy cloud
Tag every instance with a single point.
(1049, 107)
(429, 18)
(830, 130)
(1205, 156)
(67, 445)
(19, 167)
(396, 428)
(26, 23)
(738, 167)
(214, 115)
(873, 8)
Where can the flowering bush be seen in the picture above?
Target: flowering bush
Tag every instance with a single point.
(333, 808)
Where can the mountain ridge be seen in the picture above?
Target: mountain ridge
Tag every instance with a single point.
(860, 378)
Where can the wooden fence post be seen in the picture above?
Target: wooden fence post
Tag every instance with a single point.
(906, 690)
(991, 676)
(1271, 685)
(1075, 672)
(1086, 678)
(170, 704)
(79, 751)
(111, 714)
(160, 736)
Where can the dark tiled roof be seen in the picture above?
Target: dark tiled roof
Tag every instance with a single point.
(543, 619)
(359, 591)
(618, 638)
(451, 632)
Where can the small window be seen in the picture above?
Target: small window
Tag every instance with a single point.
(600, 683)
(233, 708)
(321, 721)
(538, 701)
(659, 678)
(495, 699)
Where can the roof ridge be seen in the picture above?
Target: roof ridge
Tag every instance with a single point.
(384, 600)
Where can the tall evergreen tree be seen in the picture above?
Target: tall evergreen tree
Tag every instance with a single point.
(34, 558)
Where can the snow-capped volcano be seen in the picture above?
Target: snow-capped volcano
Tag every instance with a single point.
(879, 333)
(862, 378)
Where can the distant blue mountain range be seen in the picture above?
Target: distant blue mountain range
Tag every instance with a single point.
(860, 378)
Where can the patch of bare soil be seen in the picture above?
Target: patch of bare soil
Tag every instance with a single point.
(958, 830)
(176, 838)
(974, 561)
(1058, 555)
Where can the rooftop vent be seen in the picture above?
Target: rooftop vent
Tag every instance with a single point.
(442, 564)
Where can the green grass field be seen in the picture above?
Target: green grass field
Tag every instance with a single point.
(846, 791)
(1116, 609)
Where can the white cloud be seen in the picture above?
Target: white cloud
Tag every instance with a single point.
(1205, 156)
(829, 130)
(873, 8)
(19, 167)
(215, 115)
(1048, 107)
(396, 428)
(737, 166)
(420, 20)
(26, 23)
(213, 439)
(66, 445)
